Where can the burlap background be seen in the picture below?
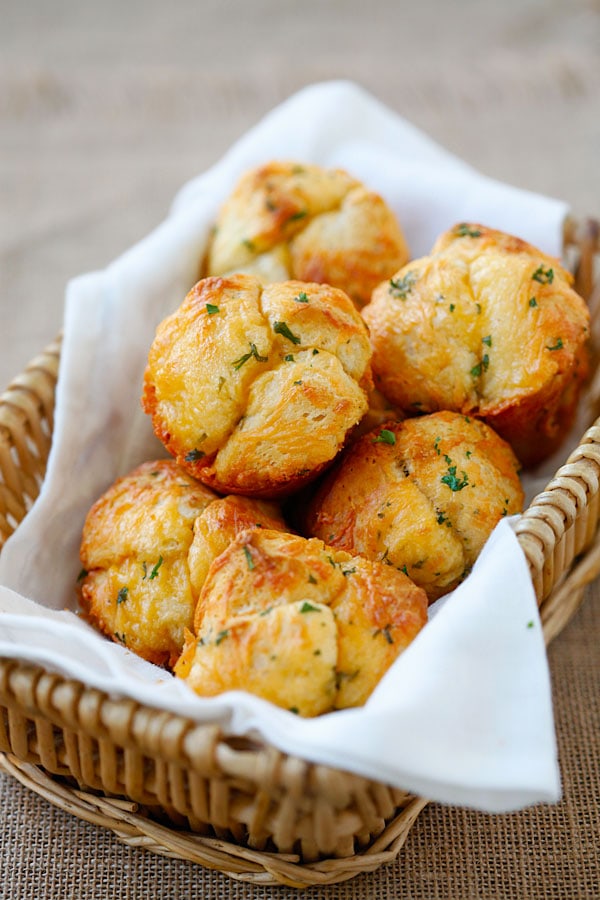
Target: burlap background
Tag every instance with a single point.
(105, 110)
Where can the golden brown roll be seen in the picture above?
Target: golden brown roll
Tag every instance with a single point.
(219, 524)
(307, 627)
(143, 564)
(254, 389)
(487, 325)
(422, 495)
(285, 220)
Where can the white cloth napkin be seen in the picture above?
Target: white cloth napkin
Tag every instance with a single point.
(465, 714)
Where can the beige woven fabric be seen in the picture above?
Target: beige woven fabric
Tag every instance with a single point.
(105, 110)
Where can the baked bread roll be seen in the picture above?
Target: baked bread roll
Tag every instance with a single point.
(144, 567)
(489, 326)
(219, 524)
(254, 389)
(285, 220)
(307, 627)
(421, 495)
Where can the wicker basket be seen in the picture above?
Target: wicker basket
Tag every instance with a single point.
(163, 782)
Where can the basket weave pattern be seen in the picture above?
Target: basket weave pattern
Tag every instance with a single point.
(165, 783)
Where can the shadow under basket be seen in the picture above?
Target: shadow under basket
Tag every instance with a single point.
(163, 782)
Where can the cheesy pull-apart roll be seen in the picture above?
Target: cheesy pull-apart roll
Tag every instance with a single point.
(487, 325)
(285, 220)
(298, 623)
(143, 563)
(421, 495)
(254, 389)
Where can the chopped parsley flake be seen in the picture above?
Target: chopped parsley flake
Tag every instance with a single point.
(194, 455)
(453, 482)
(248, 244)
(211, 309)
(530, 623)
(309, 607)
(436, 445)
(312, 579)
(386, 633)
(221, 636)
(464, 230)
(385, 437)
(289, 357)
(452, 307)
(238, 363)
(82, 575)
(401, 287)
(122, 595)
(301, 298)
(283, 329)
(481, 367)
(487, 340)
(543, 276)
(248, 556)
(533, 301)
(154, 572)
(557, 346)
(347, 572)
(300, 214)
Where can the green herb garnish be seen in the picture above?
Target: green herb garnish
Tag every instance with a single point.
(557, 346)
(154, 572)
(122, 595)
(463, 230)
(283, 329)
(194, 455)
(385, 437)
(533, 302)
(401, 287)
(238, 363)
(544, 276)
(453, 482)
(481, 367)
(386, 633)
(309, 607)
(221, 636)
(248, 556)
(211, 309)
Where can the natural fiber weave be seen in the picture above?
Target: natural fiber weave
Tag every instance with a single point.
(161, 781)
